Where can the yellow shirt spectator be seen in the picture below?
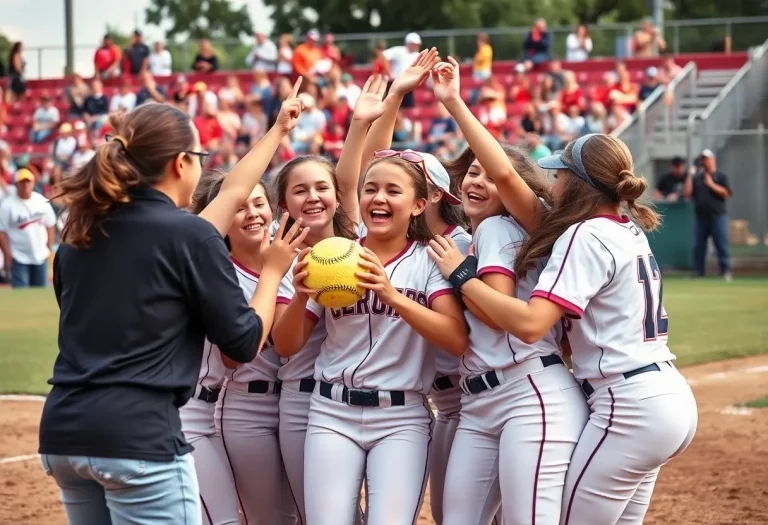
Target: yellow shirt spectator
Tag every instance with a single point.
(483, 59)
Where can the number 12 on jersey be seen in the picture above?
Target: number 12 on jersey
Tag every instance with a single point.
(655, 321)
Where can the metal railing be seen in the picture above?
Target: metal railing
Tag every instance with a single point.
(735, 102)
(636, 130)
(609, 40)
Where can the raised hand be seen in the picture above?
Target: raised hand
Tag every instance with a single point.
(370, 105)
(290, 110)
(376, 279)
(417, 73)
(279, 254)
(445, 80)
(446, 254)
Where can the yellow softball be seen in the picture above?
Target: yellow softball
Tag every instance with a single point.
(331, 267)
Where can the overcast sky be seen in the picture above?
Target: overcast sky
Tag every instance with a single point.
(40, 23)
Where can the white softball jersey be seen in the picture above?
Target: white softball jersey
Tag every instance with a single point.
(302, 364)
(446, 363)
(497, 242)
(369, 346)
(603, 273)
(264, 366)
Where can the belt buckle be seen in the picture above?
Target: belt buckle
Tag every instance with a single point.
(475, 385)
(363, 398)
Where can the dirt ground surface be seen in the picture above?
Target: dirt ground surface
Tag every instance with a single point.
(722, 478)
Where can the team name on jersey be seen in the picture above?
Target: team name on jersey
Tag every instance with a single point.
(371, 304)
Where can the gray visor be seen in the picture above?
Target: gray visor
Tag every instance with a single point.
(553, 162)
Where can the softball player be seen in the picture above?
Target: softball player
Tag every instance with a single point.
(603, 276)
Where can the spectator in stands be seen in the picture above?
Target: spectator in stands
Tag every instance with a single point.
(602, 93)
(96, 109)
(306, 56)
(400, 58)
(333, 140)
(624, 93)
(309, 129)
(64, 146)
(668, 69)
(206, 60)
(261, 86)
(44, 120)
(254, 123)
(7, 168)
(440, 139)
(229, 121)
(339, 112)
(536, 45)
(531, 122)
(208, 127)
(330, 49)
(596, 120)
(571, 95)
(138, 54)
(544, 92)
(150, 91)
(520, 89)
(649, 85)
(380, 64)
(578, 45)
(106, 60)
(647, 39)
(16, 65)
(82, 154)
(481, 66)
(539, 150)
(27, 223)
(182, 93)
(557, 75)
(160, 61)
(232, 93)
(406, 133)
(492, 111)
(201, 98)
(4, 107)
(76, 93)
(671, 185)
(576, 122)
(709, 189)
(263, 55)
(285, 55)
(124, 99)
(349, 90)
(556, 124)
(618, 115)
(282, 89)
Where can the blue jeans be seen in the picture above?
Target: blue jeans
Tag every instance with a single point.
(109, 491)
(717, 228)
(39, 136)
(26, 275)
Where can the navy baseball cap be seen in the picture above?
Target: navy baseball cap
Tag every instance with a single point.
(576, 165)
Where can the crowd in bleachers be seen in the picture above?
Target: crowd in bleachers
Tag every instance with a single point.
(536, 101)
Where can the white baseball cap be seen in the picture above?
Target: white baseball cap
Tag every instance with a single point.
(413, 38)
(438, 176)
(708, 153)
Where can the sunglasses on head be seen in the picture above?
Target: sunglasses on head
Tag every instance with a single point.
(202, 156)
(408, 156)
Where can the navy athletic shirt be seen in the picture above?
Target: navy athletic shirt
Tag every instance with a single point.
(135, 309)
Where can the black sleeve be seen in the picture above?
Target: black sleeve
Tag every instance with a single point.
(725, 183)
(230, 323)
(56, 278)
(661, 183)
(214, 63)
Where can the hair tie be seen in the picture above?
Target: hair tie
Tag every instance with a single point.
(121, 140)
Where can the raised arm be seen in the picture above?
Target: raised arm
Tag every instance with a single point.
(368, 108)
(380, 135)
(517, 197)
(249, 170)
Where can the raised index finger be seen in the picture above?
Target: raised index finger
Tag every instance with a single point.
(296, 86)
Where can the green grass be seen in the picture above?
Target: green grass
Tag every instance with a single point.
(761, 402)
(710, 320)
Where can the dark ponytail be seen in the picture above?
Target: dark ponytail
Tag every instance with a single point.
(146, 140)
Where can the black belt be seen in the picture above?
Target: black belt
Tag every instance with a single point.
(362, 398)
(653, 367)
(477, 384)
(262, 387)
(209, 395)
(307, 385)
(442, 383)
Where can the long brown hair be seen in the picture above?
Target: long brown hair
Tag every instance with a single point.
(418, 230)
(342, 225)
(531, 174)
(607, 160)
(154, 135)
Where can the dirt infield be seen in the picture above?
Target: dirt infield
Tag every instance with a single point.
(720, 480)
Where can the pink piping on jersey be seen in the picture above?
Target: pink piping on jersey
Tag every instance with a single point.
(552, 297)
(243, 268)
(496, 269)
(449, 229)
(573, 311)
(307, 312)
(615, 218)
(541, 447)
(591, 456)
(396, 257)
(205, 508)
(436, 294)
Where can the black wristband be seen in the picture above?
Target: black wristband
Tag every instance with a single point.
(464, 272)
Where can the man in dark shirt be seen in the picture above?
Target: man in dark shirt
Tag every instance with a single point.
(650, 84)
(96, 106)
(710, 189)
(138, 54)
(670, 187)
(536, 45)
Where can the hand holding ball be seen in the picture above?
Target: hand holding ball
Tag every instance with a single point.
(331, 267)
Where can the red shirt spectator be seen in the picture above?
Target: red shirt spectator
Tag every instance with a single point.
(602, 92)
(333, 140)
(330, 49)
(571, 95)
(209, 129)
(380, 65)
(520, 91)
(106, 57)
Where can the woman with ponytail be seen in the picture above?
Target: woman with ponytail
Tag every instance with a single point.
(140, 284)
(602, 279)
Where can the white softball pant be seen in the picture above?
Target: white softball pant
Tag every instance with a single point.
(447, 400)
(522, 432)
(294, 418)
(388, 445)
(248, 423)
(636, 425)
(217, 485)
